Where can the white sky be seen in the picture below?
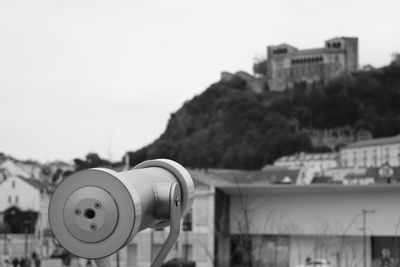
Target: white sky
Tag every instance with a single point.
(79, 76)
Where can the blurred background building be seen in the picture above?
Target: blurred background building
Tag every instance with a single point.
(288, 65)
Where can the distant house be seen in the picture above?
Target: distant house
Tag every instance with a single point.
(318, 161)
(26, 194)
(372, 153)
(10, 168)
(340, 173)
(384, 174)
(357, 179)
(310, 164)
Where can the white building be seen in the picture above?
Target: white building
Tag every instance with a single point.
(340, 174)
(372, 153)
(317, 161)
(25, 194)
(286, 224)
(310, 164)
(10, 168)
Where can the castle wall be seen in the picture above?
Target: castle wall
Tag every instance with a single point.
(287, 66)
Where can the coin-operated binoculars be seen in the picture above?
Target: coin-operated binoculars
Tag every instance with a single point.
(96, 212)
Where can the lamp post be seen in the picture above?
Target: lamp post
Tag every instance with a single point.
(364, 214)
(26, 224)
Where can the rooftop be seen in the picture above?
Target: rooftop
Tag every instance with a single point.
(225, 177)
(305, 189)
(375, 142)
(308, 156)
(35, 183)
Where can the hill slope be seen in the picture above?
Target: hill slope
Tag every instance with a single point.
(228, 126)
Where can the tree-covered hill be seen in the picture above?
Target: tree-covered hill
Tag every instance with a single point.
(229, 126)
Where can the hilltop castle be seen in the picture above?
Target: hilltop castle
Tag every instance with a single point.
(287, 65)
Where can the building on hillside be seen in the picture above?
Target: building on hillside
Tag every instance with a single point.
(32, 168)
(320, 161)
(382, 175)
(10, 168)
(372, 153)
(339, 174)
(338, 137)
(288, 66)
(310, 164)
(357, 179)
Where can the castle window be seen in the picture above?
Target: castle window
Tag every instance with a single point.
(280, 51)
(336, 45)
(13, 184)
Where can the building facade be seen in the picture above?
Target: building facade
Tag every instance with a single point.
(309, 164)
(25, 195)
(288, 66)
(372, 153)
(317, 161)
(22, 193)
(288, 224)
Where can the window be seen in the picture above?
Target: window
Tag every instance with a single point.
(187, 221)
(9, 200)
(132, 255)
(16, 199)
(187, 250)
(13, 184)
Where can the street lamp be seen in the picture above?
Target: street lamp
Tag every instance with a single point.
(26, 225)
(364, 214)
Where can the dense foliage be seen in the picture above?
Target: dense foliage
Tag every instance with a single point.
(92, 160)
(228, 126)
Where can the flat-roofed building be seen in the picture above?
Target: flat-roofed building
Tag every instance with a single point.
(283, 225)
